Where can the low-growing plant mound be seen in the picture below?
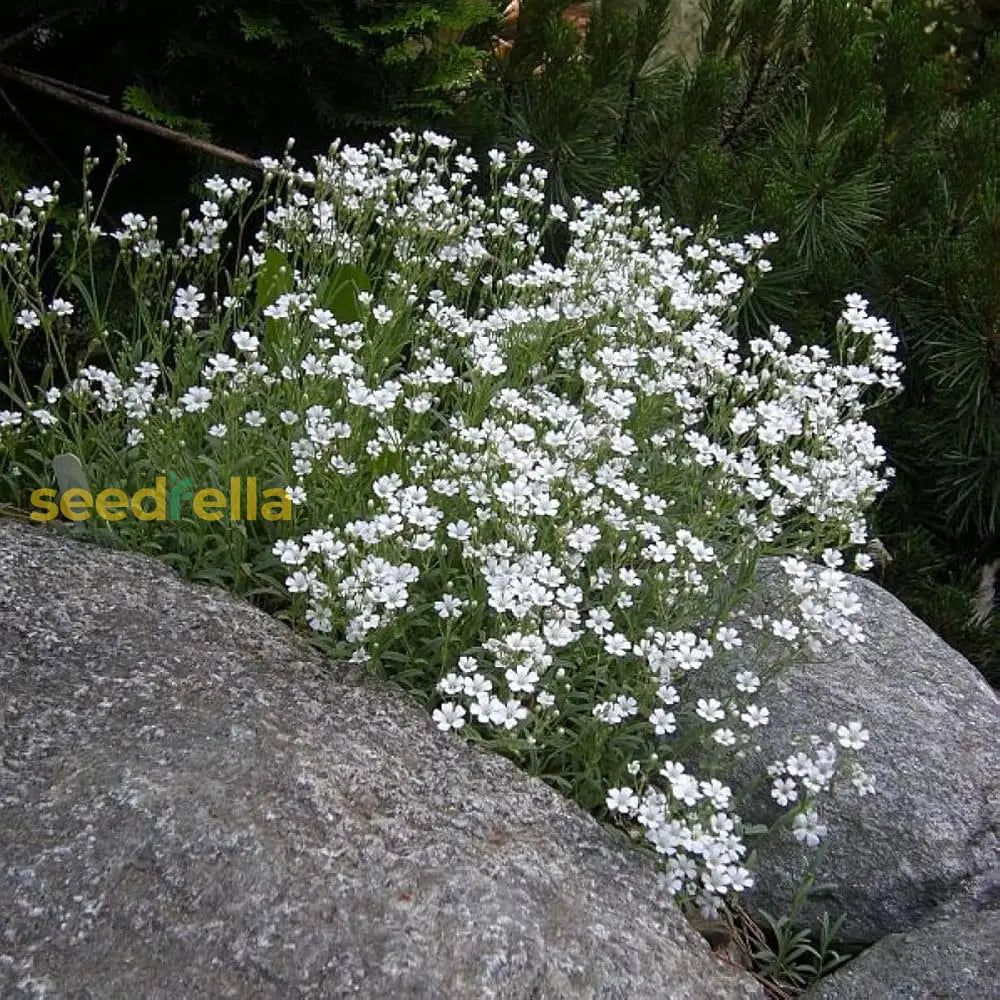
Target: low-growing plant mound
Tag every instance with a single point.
(534, 494)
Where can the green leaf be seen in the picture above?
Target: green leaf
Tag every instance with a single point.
(389, 656)
(274, 278)
(339, 293)
(409, 19)
(141, 102)
(69, 473)
(261, 27)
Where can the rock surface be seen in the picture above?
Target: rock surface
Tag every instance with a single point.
(957, 958)
(192, 805)
(930, 837)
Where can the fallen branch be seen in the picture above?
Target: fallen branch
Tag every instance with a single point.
(61, 93)
(72, 88)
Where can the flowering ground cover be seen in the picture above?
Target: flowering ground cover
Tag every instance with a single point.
(531, 487)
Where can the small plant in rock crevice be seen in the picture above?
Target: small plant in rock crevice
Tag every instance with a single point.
(787, 954)
(533, 492)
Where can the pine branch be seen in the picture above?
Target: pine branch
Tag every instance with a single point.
(731, 131)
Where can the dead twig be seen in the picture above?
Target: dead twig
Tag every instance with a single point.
(59, 93)
(73, 88)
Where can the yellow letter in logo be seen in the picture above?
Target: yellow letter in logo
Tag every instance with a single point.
(44, 500)
(75, 504)
(111, 504)
(279, 509)
(159, 494)
(206, 502)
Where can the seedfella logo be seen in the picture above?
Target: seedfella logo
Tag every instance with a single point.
(243, 502)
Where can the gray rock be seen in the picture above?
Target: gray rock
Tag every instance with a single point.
(929, 837)
(193, 803)
(957, 959)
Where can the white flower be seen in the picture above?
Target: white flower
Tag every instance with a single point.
(662, 721)
(289, 552)
(807, 828)
(39, 197)
(853, 736)
(747, 681)
(755, 716)
(187, 303)
(622, 800)
(322, 319)
(449, 606)
(522, 678)
(196, 399)
(783, 791)
(298, 582)
(667, 693)
(245, 342)
(460, 531)
(449, 716)
(785, 629)
(599, 620)
(45, 418)
(729, 639)
(452, 684)
(863, 562)
(710, 709)
(617, 645)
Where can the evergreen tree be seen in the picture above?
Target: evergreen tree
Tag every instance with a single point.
(868, 136)
(249, 73)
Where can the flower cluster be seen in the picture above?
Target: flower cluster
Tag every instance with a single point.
(545, 483)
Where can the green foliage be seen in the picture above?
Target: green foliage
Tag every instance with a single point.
(253, 72)
(338, 293)
(795, 957)
(866, 135)
(274, 277)
(943, 268)
(141, 102)
(938, 588)
(16, 166)
(349, 356)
